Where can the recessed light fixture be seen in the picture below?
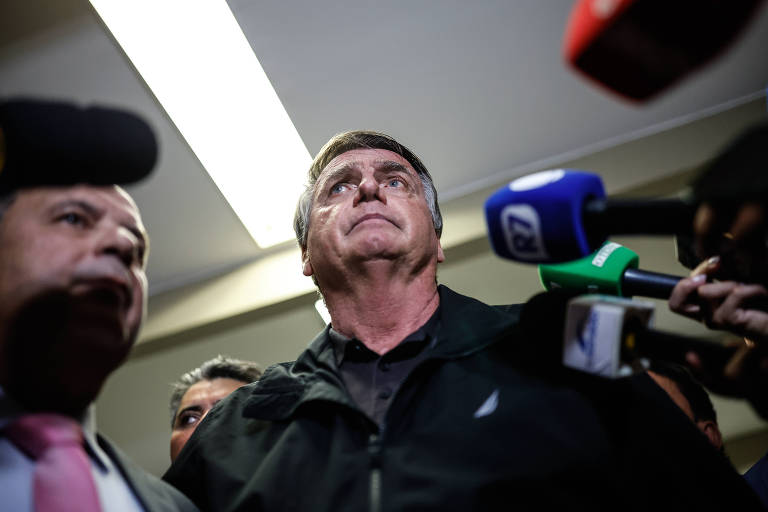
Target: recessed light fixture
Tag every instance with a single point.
(194, 57)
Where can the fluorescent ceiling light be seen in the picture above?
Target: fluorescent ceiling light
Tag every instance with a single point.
(195, 58)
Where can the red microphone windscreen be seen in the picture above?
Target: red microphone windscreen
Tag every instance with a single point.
(637, 48)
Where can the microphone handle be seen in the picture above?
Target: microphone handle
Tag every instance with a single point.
(647, 284)
(672, 347)
(605, 217)
(659, 286)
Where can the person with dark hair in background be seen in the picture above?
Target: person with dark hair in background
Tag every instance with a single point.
(728, 290)
(689, 396)
(198, 390)
(415, 397)
(729, 250)
(72, 299)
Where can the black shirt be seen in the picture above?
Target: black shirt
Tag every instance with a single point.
(373, 380)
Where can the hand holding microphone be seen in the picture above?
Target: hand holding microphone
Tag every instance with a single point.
(726, 305)
(735, 307)
(611, 337)
(607, 335)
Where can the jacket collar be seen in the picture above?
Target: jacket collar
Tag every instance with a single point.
(467, 326)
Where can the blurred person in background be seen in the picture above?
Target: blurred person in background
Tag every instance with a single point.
(72, 299)
(198, 390)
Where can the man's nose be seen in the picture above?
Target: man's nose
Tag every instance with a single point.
(369, 189)
(120, 242)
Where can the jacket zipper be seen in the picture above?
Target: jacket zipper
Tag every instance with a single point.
(374, 491)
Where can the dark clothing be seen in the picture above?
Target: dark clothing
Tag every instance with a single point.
(757, 478)
(479, 424)
(372, 380)
(153, 494)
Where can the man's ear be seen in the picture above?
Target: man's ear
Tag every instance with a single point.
(306, 266)
(712, 432)
(440, 255)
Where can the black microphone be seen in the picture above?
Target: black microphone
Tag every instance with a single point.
(609, 336)
(606, 216)
(56, 143)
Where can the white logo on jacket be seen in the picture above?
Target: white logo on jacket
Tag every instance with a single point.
(489, 406)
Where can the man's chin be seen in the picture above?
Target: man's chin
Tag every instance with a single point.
(95, 331)
(107, 340)
(377, 248)
(63, 347)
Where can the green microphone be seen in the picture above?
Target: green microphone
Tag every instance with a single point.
(611, 270)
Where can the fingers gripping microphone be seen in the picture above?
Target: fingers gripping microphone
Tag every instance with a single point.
(611, 270)
(562, 215)
(54, 143)
(639, 47)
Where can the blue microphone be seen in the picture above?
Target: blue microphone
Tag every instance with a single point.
(563, 214)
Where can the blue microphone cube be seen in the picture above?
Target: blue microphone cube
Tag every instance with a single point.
(538, 218)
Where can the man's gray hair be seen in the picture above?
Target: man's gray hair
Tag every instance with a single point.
(217, 368)
(360, 139)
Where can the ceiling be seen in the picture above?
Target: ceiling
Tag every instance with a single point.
(479, 90)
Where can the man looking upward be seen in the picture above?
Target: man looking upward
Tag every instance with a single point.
(418, 398)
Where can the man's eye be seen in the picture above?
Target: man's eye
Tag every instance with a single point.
(73, 218)
(188, 419)
(395, 183)
(339, 188)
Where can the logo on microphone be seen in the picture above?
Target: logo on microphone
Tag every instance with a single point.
(586, 335)
(604, 253)
(522, 232)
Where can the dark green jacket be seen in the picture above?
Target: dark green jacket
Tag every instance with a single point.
(482, 424)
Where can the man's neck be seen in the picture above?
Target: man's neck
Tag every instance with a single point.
(382, 312)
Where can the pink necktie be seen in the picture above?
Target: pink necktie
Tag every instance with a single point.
(63, 480)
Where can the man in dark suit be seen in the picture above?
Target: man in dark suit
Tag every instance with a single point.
(72, 299)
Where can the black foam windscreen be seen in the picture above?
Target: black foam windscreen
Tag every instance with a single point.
(58, 143)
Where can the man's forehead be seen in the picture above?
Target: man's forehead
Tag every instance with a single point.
(361, 157)
(215, 386)
(103, 196)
